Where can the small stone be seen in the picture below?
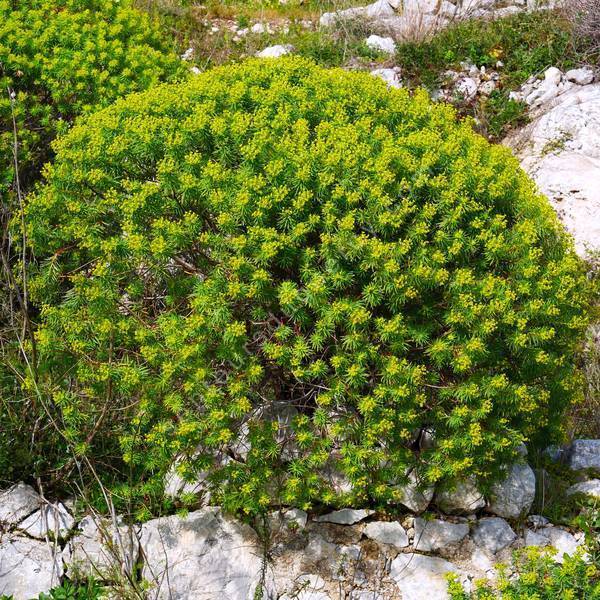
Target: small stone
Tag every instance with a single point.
(587, 488)
(259, 28)
(297, 516)
(537, 521)
(421, 577)
(563, 541)
(345, 516)
(515, 494)
(188, 54)
(17, 502)
(467, 88)
(533, 538)
(553, 75)
(584, 454)
(390, 76)
(583, 76)
(462, 499)
(414, 496)
(436, 534)
(381, 44)
(392, 533)
(276, 51)
(493, 534)
(487, 87)
(288, 520)
(52, 520)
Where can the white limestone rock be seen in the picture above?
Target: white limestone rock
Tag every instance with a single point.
(589, 488)
(547, 89)
(17, 502)
(391, 76)
(414, 496)
(376, 10)
(100, 547)
(421, 577)
(345, 516)
(514, 496)
(564, 542)
(381, 44)
(389, 533)
(535, 538)
(585, 454)
(276, 51)
(467, 87)
(560, 149)
(204, 555)
(582, 76)
(436, 534)
(287, 521)
(493, 534)
(28, 568)
(464, 499)
(52, 520)
(487, 87)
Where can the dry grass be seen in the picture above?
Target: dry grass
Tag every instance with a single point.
(585, 17)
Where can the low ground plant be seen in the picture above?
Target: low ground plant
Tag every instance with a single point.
(525, 44)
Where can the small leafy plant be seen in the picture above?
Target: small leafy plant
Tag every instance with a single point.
(538, 576)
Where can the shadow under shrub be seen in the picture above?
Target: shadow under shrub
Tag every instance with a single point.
(283, 276)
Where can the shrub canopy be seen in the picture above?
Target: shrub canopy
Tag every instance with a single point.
(285, 276)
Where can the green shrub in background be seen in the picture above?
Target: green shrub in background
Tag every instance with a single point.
(58, 59)
(284, 275)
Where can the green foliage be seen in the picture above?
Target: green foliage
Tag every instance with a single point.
(61, 58)
(87, 590)
(527, 44)
(303, 263)
(58, 59)
(538, 577)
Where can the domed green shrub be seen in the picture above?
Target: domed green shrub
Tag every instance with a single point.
(59, 58)
(303, 285)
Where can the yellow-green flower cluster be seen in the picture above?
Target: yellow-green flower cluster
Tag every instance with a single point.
(284, 275)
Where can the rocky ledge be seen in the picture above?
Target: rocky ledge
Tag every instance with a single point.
(358, 553)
